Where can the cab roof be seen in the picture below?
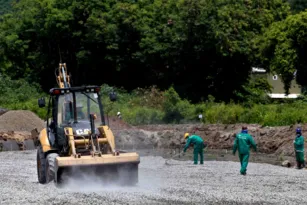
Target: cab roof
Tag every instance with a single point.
(87, 89)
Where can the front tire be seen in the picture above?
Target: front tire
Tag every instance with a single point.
(50, 167)
(41, 165)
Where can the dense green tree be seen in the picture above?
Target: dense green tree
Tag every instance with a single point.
(283, 49)
(5, 6)
(201, 47)
(298, 5)
(208, 47)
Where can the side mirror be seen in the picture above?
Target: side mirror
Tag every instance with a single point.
(41, 102)
(113, 96)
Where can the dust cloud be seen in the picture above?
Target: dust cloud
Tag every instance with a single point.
(91, 181)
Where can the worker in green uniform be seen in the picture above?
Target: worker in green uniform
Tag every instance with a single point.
(198, 143)
(299, 149)
(242, 143)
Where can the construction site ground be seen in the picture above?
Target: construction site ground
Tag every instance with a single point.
(162, 179)
(174, 182)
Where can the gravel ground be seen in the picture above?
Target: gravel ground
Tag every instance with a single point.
(178, 182)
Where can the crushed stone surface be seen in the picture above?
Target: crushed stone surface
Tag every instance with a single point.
(177, 182)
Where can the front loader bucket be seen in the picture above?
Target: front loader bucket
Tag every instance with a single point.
(108, 169)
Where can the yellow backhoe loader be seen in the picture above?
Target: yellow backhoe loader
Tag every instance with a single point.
(77, 140)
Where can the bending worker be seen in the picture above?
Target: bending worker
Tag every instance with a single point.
(198, 143)
(242, 143)
(299, 149)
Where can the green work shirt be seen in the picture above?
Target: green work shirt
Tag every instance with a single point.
(299, 143)
(196, 140)
(243, 142)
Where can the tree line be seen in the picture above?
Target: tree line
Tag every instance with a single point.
(202, 48)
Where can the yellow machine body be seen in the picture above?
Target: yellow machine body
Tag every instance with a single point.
(104, 159)
(55, 162)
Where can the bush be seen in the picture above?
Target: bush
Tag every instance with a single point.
(224, 114)
(20, 95)
(142, 115)
(152, 106)
(254, 114)
(175, 109)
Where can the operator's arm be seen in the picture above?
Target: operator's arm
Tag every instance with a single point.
(187, 145)
(235, 146)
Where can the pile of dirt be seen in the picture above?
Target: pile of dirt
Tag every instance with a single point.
(13, 141)
(17, 124)
(116, 123)
(12, 135)
(20, 120)
(2, 111)
(270, 140)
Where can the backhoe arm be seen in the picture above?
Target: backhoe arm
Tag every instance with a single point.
(62, 78)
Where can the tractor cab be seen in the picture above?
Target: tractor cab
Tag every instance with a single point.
(72, 107)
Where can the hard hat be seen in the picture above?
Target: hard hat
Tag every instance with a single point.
(118, 113)
(186, 135)
(298, 130)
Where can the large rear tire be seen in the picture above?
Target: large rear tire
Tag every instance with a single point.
(50, 167)
(41, 165)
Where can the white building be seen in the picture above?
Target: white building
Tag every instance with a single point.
(277, 84)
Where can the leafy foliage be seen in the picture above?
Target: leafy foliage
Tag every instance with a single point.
(298, 5)
(282, 49)
(169, 61)
(255, 91)
(165, 42)
(19, 94)
(177, 110)
(5, 6)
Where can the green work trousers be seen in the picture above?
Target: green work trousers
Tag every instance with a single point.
(300, 159)
(198, 151)
(244, 162)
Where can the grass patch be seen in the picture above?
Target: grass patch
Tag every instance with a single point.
(153, 106)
